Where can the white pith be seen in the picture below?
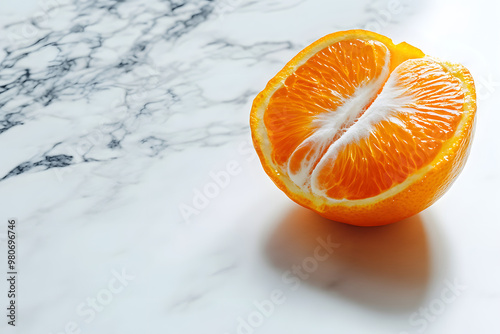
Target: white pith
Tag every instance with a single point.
(391, 99)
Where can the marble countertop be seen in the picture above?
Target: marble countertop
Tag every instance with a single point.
(141, 207)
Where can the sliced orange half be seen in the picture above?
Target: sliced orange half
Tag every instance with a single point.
(364, 131)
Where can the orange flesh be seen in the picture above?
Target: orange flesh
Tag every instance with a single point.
(394, 149)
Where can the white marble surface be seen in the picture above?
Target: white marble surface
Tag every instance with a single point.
(114, 114)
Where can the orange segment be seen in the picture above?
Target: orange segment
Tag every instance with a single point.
(364, 131)
(321, 85)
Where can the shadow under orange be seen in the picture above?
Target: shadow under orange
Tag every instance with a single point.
(385, 267)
